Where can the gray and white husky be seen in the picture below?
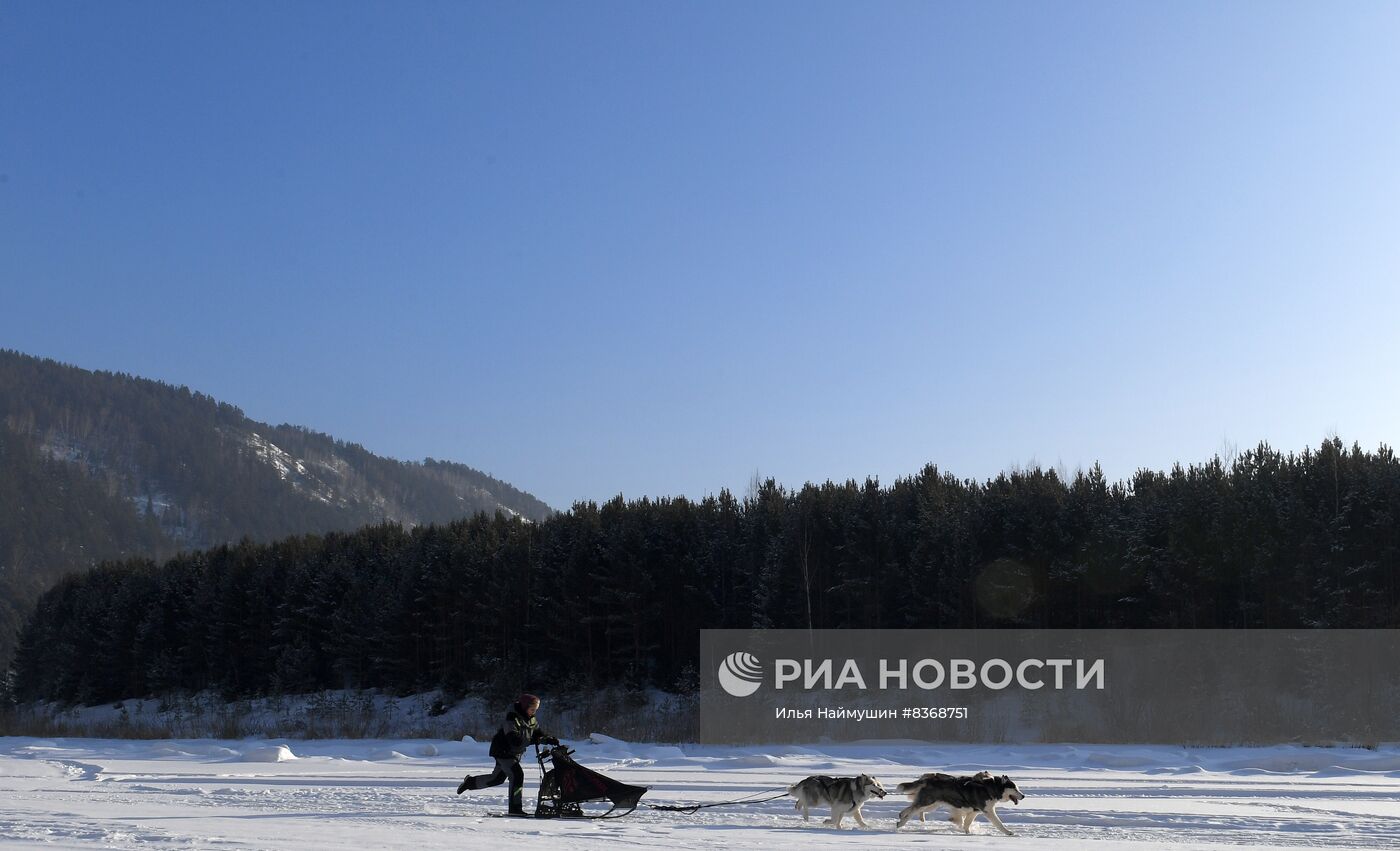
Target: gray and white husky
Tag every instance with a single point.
(843, 794)
(966, 797)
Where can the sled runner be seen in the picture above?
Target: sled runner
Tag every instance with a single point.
(566, 786)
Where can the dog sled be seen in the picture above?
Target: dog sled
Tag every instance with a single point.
(565, 786)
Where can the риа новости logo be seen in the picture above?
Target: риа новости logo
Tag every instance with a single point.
(740, 674)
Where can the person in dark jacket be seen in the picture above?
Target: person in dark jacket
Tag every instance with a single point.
(519, 731)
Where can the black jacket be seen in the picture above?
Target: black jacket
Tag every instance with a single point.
(517, 733)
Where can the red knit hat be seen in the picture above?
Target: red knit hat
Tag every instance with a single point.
(525, 699)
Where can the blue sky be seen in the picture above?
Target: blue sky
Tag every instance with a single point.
(654, 248)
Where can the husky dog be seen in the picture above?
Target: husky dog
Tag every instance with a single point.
(910, 788)
(965, 796)
(842, 794)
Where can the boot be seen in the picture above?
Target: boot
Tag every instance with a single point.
(468, 782)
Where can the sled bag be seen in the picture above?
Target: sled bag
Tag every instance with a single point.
(578, 784)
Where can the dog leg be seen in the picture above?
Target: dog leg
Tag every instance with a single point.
(992, 817)
(836, 816)
(909, 812)
(860, 821)
(962, 818)
(913, 810)
(905, 814)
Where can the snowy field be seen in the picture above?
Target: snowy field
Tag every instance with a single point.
(286, 794)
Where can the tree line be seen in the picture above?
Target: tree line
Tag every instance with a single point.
(615, 593)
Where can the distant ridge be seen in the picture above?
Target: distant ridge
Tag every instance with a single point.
(98, 465)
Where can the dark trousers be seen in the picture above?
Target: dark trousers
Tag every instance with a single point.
(506, 767)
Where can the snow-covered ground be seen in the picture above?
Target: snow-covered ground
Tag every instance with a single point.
(289, 794)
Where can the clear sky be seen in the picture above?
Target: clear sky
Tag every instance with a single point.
(651, 248)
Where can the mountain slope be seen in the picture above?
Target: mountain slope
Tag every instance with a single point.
(97, 466)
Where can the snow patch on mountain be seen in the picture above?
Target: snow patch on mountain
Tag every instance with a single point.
(295, 472)
(156, 503)
(60, 447)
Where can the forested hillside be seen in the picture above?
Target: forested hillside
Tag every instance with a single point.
(612, 593)
(96, 466)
